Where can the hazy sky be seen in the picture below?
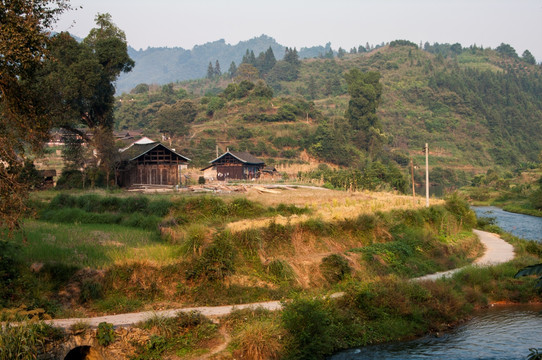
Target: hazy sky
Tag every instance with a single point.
(304, 23)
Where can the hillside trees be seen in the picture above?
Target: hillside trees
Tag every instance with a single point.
(365, 91)
(508, 103)
(175, 119)
(24, 121)
(528, 57)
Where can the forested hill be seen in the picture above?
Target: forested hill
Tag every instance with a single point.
(477, 108)
(165, 65)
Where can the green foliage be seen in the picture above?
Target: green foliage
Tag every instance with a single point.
(70, 179)
(182, 334)
(460, 208)
(536, 199)
(9, 270)
(217, 260)
(335, 268)
(374, 176)
(365, 91)
(280, 270)
(535, 354)
(136, 211)
(531, 270)
(308, 324)
(25, 340)
(105, 334)
(396, 43)
(90, 290)
(238, 91)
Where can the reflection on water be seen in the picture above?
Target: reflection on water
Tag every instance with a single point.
(523, 226)
(501, 333)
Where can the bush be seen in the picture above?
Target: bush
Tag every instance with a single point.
(459, 207)
(308, 324)
(280, 270)
(134, 204)
(90, 290)
(9, 266)
(195, 236)
(335, 268)
(70, 179)
(217, 260)
(105, 334)
(26, 339)
(259, 341)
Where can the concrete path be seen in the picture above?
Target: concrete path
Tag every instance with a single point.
(497, 251)
(129, 319)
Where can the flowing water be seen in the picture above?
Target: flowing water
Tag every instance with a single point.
(499, 333)
(523, 226)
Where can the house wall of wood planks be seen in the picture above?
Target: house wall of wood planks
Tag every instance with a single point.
(157, 167)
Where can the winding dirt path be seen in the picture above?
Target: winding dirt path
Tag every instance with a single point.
(497, 251)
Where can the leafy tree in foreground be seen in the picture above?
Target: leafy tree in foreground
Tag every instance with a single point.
(24, 124)
(531, 270)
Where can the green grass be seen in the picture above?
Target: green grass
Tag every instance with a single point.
(91, 245)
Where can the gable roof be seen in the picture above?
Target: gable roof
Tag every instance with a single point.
(136, 150)
(244, 157)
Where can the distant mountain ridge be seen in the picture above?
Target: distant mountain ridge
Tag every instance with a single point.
(164, 65)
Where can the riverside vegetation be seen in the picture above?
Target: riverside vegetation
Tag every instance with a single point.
(99, 253)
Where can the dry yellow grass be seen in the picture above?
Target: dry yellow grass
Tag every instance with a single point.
(327, 205)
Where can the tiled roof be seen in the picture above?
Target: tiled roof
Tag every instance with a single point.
(244, 157)
(137, 150)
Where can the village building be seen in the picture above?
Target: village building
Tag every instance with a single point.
(236, 166)
(147, 162)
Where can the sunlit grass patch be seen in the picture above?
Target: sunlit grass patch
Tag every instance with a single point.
(90, 245)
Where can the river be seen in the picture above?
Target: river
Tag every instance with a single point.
(499, 333)
(523, 226)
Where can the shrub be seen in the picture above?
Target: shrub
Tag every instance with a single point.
(201, 180)
(158, 207)
(260, 341)
(335, 268)
(217, 260)
(9, 266)
(134, 204)
(281, 270)
(90, 290)
(139, 220)
(460, 209)
(105, 334)
(26, 339)
(308, 324)
(70, 179)
(194, 239)
(249, 240)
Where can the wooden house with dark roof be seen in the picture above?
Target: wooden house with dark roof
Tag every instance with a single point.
(149, 163)
(237, 165)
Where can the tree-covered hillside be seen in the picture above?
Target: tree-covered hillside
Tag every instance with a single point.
(477, 108)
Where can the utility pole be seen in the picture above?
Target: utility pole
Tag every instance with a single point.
(426, 149)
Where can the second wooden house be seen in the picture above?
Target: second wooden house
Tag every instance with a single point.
(233, 165)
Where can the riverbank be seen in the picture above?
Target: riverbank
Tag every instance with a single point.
(369, 258)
